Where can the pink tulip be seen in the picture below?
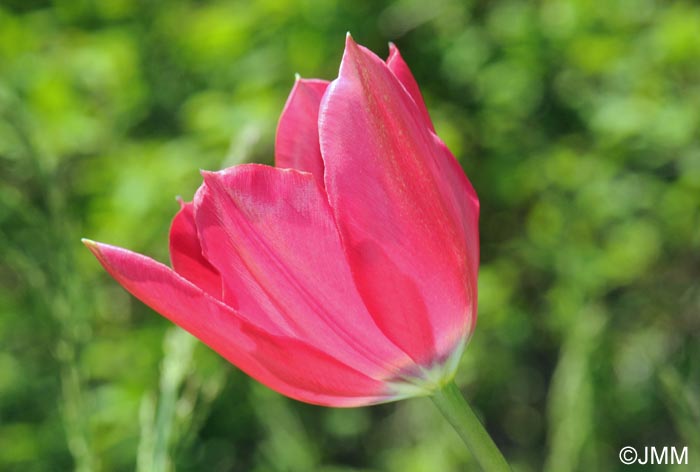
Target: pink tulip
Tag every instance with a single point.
(344, 276)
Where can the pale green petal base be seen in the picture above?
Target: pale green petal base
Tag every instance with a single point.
(429, 380)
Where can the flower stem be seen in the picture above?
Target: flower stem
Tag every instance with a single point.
(456, 410)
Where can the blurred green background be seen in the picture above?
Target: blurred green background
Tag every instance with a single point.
(577, 121)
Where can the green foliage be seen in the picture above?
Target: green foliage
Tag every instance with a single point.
(577, 122)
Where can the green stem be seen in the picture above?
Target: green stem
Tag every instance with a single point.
(455, 408)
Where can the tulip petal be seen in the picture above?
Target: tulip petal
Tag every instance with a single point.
(403, 225)
(463, 203)
(402, 72)
(272, 231)
(186, 253)
(296, 144)
(287, 365)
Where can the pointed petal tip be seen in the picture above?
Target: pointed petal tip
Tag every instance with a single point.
(95, 248)
(207, 174)
(354, 55)
(301, 83)
(297, 77)
(220, 177)
(210, 180)
(349, 42)
(89, 243)
(393, 52)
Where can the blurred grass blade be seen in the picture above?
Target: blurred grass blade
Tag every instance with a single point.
(571, 402)
(683, 405)
(157, 431)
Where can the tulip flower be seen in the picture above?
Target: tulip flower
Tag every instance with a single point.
(344, 276)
